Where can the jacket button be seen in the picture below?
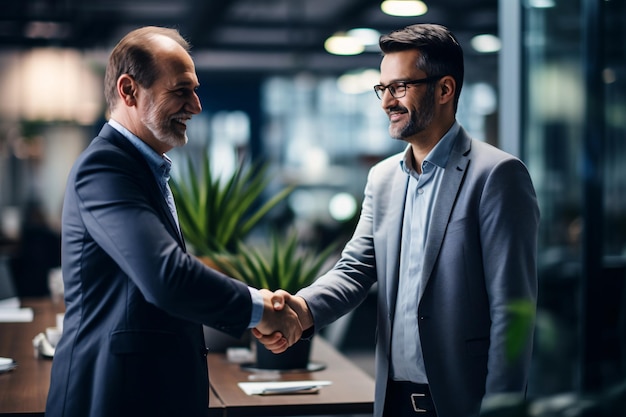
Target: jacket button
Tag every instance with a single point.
(204, 351)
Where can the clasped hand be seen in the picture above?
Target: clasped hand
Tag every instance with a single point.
(285, 317)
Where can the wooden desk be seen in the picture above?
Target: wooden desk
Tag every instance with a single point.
(351, 392)
(24, 390)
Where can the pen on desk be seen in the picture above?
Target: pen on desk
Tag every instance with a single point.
(304, 389)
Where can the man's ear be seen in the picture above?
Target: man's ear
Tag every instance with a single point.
(447, 87)
(127, 89)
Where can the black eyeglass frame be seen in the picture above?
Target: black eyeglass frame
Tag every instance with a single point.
(379, 89)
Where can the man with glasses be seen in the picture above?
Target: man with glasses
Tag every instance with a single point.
(448, 231)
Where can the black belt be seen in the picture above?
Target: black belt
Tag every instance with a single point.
(408, 399)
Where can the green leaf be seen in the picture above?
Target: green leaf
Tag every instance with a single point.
(522, 317)
(282, 264)
(216, 213)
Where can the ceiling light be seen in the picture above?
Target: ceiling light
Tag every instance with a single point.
(486, 43)
(404, 7)
(367, 36)
(342, 44)
(541, 4)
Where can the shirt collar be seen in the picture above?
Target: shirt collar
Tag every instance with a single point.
(438, 155)
(159, 164)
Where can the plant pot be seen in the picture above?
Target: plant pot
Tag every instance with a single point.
(296, 357)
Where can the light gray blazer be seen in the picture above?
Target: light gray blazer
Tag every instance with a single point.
(480, 257)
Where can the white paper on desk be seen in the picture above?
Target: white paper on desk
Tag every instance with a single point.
(16, 315)
(11, 302)
(7, 364)
(281, 387)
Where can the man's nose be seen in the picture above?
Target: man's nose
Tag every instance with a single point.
(386, 99)
(193, 105)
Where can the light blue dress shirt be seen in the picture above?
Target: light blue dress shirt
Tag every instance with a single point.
(161, 165)
(407, 362)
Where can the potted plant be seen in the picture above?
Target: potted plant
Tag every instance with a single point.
(281, 265)
(217, 212)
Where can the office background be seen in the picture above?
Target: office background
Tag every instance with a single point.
(545, 80)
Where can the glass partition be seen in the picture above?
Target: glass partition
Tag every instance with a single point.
(573, 131)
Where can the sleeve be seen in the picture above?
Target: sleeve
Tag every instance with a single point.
(509, 219)
(257, 307)
(115, 203)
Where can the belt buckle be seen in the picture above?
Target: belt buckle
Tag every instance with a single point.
(414, 403)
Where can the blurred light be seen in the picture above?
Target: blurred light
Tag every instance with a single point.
(486, 43)
(343, 44)
(303, 203)
(562, 95)
(46, 30)
(609, 76)
(358, 82)
(404, 7)
(366, 36)
(541, 4)
(342, 207)
(483, 98)
(51, 84)
(232, 127)
(316, 162)
(10, 221)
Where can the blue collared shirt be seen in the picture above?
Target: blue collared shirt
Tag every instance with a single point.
(161, 165)
(407, 362)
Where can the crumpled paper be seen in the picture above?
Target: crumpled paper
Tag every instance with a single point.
(42, 347)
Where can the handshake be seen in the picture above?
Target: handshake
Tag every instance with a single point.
(285, 317)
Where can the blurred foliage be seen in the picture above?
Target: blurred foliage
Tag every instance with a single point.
(281, 265)
(522, 313)
(610, 402)
(218, 212)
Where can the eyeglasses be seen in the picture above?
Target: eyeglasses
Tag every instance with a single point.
(398, 89)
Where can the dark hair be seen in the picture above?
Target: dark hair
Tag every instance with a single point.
(440, 52)
(134, 55)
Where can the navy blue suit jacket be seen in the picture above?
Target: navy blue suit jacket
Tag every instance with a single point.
(132, 341)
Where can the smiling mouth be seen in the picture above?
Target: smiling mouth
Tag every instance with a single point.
(182, 121)
(396, 112)
(396, 115)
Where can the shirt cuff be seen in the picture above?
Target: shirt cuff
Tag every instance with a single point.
(257, 307)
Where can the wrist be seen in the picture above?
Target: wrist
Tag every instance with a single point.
(304, 314)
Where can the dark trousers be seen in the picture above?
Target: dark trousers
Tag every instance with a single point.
(407, 399)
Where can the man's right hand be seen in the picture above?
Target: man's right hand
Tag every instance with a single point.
(279, 320)
(281, 300)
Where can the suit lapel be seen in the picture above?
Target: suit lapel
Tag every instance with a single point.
(154, 192)
(396, 213)
(446, 197)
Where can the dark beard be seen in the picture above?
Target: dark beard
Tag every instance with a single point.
(421, 117)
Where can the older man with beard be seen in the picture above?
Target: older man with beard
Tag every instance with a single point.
(132, 341)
